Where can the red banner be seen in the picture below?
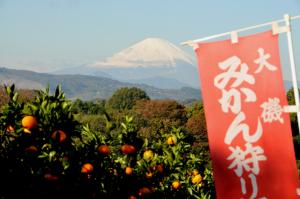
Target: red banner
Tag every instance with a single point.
(249, 135)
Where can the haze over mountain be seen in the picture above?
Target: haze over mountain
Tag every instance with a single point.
(88, 87)
(150, 59)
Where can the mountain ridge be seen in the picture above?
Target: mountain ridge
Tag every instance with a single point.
(89, 87)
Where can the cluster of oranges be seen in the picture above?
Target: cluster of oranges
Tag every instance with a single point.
(196, 177)
(147, 156)
(29, 123)
(87, 168)
(160, 168)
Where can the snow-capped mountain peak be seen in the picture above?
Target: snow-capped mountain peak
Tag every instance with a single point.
(151, 52)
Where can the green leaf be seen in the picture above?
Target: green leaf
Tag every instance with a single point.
(51, 155)
(66, 164)
(65, 105)
(15, 97)
(46, 146)
(190, 190)
(43, 155)
(124, 126)
(8, 90)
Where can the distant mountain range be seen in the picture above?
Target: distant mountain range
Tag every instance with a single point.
(155, 65)
(160, 82)
(91, 87)
(88, 87)
(153, 61)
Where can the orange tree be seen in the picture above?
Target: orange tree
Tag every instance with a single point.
(136, 168)
(45, 153)
(36, 146)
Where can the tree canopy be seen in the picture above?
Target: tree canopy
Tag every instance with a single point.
(125, 98)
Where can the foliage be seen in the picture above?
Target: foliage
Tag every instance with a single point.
(125, 98)
(294, 124)
(55, 156)
(33, 156)
(88, 107)
(95, 122)
(155, 165)
(293, 116)
(159, 115)
(25, 95)
(161, 109)
(196, 122)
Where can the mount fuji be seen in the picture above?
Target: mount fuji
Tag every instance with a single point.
(152, 61)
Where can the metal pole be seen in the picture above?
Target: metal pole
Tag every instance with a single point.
(189, 42)
(293, 67)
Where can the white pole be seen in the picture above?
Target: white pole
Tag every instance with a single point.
(293, 67)
(189, 42)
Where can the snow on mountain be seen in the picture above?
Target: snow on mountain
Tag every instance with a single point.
(151, 52)
(153, 61)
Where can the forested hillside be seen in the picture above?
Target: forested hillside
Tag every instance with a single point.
(88, 87)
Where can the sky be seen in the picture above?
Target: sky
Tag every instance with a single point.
(47, 35)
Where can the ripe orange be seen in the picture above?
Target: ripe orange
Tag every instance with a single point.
(128, 170)
(87, 168)
(10, 129)
(59, 135)
(51, 177)
(196, 179)
(104, 149)
(171, 140)
(31, 149)
(149, 174)
(148, 155)
(128, 149)
(176, 184)
(144, 191)
(132, 197)
(159, 168)
(29, 122)
(195, 172)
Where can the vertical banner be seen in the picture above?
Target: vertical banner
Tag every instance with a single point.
(249, 135)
